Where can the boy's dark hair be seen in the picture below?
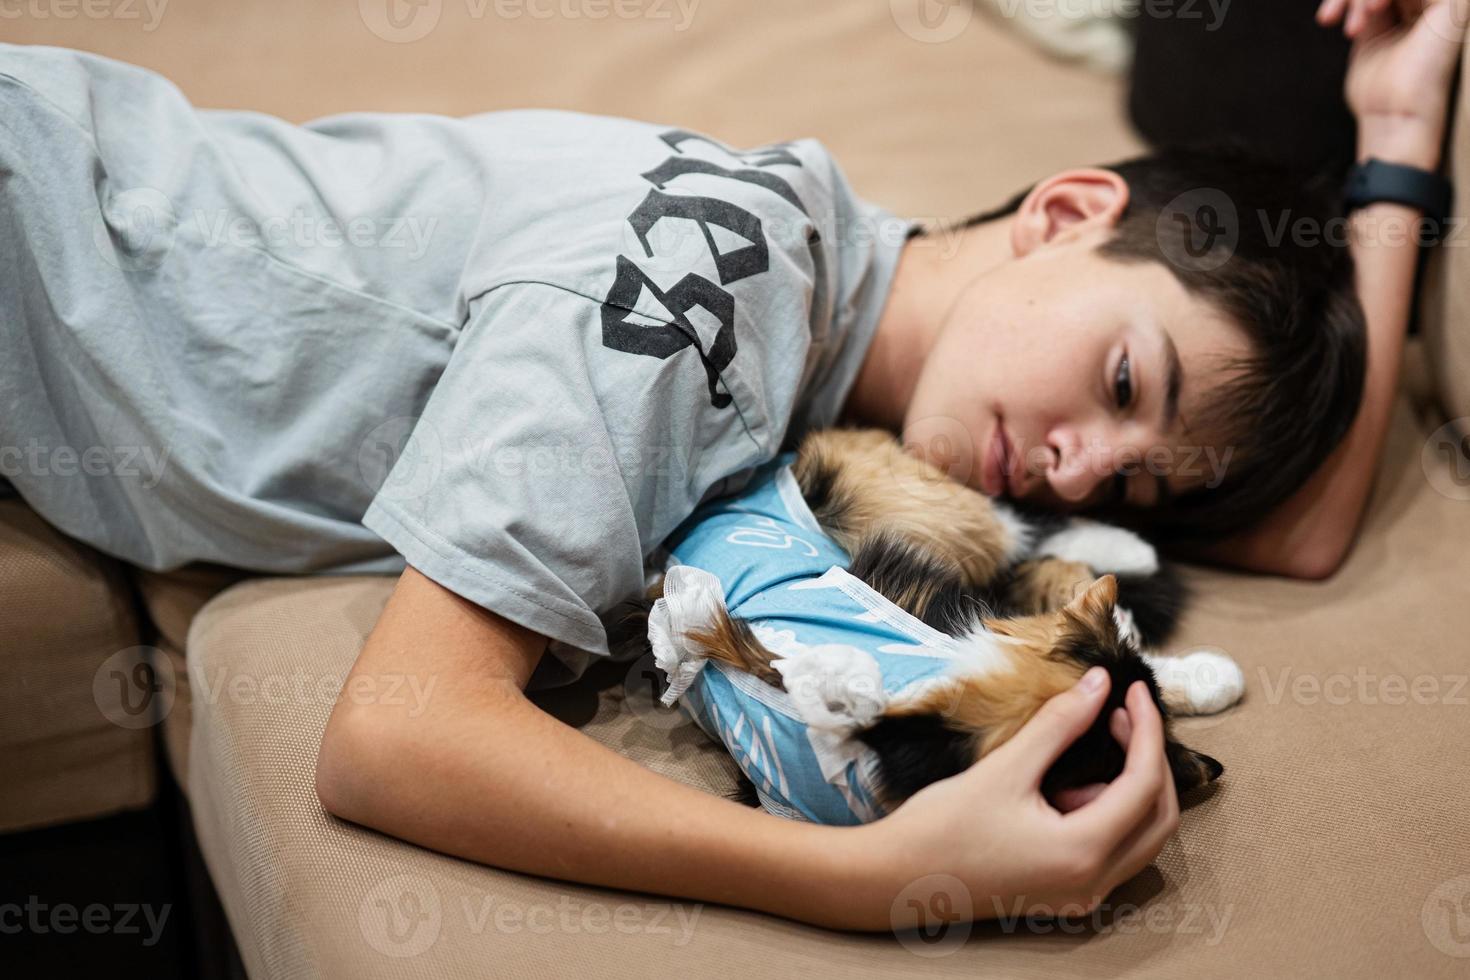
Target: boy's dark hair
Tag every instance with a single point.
(1222, 221)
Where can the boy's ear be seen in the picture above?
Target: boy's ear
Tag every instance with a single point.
(1073, 200)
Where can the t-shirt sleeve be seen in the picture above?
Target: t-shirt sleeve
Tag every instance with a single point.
(547, 466)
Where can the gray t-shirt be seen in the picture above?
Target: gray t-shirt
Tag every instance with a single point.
(514, 349)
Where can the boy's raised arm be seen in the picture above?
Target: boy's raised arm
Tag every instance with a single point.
(1398, 86)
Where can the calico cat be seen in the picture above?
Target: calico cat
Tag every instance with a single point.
(1020, 595)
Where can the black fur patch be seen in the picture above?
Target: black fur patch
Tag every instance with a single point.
(818, 484)
(1156, 602)
(744, 791)
(914, 751)
(627, 628)
(904, 573)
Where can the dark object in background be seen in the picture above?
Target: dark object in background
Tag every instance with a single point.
(1262, 73)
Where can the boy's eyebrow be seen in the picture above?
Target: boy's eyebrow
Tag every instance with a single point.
(1174, 379)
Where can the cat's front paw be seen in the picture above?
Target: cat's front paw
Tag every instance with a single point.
(1102, 547)
(1200, 683)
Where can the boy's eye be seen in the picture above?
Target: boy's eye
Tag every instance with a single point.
(1123, 383)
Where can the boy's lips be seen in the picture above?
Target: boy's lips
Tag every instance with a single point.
(996, 473)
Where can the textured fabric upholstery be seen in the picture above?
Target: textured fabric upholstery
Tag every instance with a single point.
(1445, 304)
(65, 611)
(1334, 846)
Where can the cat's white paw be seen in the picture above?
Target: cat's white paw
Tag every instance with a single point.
(1199, 683)
(1101, 547)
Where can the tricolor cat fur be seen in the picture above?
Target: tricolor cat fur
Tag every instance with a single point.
(1021, 596)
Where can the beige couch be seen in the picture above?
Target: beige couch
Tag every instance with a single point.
(1337, 845)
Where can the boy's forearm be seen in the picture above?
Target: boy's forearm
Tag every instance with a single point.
(494, 779)
(1311, 533)
(478, 771)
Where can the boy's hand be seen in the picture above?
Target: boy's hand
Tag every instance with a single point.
(1399, 73)
(1010, 846)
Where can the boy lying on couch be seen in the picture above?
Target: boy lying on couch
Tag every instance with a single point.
(564, 332)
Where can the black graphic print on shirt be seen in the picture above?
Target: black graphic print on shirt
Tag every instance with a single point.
(694, 290)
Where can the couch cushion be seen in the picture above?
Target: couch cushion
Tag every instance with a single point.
(1444, 305)
(304, 891)
(75, 743)
(1336, 843)
(170, 600)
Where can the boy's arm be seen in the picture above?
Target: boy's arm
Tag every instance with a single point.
(1398, 86)
(484, 774)
(1310, 534)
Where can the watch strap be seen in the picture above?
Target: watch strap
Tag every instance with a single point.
(1374, 180)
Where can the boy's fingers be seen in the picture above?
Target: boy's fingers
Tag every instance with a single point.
(1330, 11)
(1128, 799)
(1141, 846)
(1120, 726)
(1075, 798)
(1057, 725)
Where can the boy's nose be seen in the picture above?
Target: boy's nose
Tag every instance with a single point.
(1078, 466)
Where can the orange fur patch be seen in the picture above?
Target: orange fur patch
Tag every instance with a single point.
(997, 704)
(1044, 584)
(731, 641)
(874, 482)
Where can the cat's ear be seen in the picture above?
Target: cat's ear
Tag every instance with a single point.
(1190, 768)
(1094, 605)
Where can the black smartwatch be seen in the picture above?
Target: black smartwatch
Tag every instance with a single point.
(1374, 180)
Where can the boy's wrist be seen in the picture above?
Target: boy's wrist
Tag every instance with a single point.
(859, 886)
(1410, 141)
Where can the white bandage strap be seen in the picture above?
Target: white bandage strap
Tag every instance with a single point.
(692, 598)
